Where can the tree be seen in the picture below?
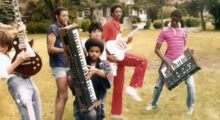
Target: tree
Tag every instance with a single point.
(200, 6)
(92, 5)
(149, 5)
(44, 9)
(6, 11)
(182, 8)
(215, 11)
(152, 13)
(106, 4)
(37, 10)
(191, 8)
(159, 4)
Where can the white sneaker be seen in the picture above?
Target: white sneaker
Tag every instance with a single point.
(121, 117)
(190, 111)
(150, 107)
(133, 93)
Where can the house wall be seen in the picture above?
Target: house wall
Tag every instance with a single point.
(140, 14)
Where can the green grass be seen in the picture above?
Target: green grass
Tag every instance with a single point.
(171, 104)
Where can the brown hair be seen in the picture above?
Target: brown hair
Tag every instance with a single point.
(5, 40)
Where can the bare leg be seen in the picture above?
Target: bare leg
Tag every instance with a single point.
(61, 98)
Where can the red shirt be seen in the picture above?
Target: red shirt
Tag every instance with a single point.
(110, 30)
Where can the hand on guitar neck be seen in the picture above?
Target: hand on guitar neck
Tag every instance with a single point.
(129, 40)
(21, 27)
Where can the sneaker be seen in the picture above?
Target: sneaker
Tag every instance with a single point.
(133, 93)
(121, 117)
(190, 111)
(150, 107)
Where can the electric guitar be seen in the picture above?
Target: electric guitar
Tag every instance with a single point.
(119, 46)
(20, 43)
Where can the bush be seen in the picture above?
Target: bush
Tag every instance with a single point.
(148, 24)
(38, 27)
(166, 23)
(192, 22)
(133, 19)
(85, 24)
(157, 24)
(167, 10)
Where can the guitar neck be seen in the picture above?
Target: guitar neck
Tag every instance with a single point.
(21, 33)
(131, 34)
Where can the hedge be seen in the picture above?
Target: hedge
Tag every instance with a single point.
(85, 24)
(157, 24)
(192, 22)
(38, 27)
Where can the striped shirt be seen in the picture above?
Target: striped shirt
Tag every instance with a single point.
(175, 39)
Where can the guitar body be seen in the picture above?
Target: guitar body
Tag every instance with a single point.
(117, 47)
(114, 50)
(29, 67)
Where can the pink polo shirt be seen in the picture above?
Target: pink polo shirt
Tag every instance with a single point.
(175, 39)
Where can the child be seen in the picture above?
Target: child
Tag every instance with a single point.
(95, 31)
(99, 70)
(22, 89)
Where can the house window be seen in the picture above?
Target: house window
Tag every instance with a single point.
(141, 12)
(81, 14)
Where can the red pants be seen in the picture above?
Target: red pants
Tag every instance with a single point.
(140, 65)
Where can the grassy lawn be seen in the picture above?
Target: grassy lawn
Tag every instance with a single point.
(172, 104)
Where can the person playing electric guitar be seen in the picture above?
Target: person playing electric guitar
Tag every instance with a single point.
(110, 31)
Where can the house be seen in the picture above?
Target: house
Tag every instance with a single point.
(140, 13)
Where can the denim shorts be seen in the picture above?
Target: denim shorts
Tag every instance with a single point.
(59, 72)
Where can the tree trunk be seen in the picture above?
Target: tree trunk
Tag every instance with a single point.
(92, 17)
(138, 12)
(202, 19)
(104, 11)
(161, 12)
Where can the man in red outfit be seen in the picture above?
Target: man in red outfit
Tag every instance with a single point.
(110, 31)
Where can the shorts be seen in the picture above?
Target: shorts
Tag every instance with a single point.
(59, 72)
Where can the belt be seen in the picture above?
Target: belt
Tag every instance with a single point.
(20, 75)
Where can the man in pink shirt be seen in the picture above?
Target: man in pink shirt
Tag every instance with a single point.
(175, 37)
(110, 31)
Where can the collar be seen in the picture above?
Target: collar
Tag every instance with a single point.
(88, 61)
(59, 25)
(174, 29)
